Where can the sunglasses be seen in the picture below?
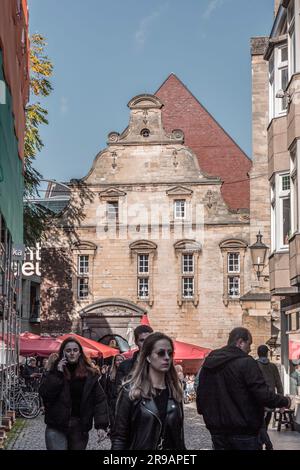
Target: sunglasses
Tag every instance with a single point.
(164, 352)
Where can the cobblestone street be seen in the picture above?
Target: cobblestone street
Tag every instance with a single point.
(29, 434)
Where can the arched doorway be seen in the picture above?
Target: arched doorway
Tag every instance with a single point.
(110, 317)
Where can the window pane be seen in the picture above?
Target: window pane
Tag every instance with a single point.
(286, 183)
(188, 263)
(112, 210)
(284, 54)
(143, 287)
(188, 287)
(83, 287)
(286, 220)
(233, 286)
(143, 264)
(83, 264)
(284, 83)
(179, 209)
(233, 262)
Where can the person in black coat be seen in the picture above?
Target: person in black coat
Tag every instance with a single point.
(232, 394)
(149, 411)
(140, 334)
(111, 387)
(73, 398)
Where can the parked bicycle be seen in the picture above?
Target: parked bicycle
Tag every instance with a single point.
(27, 404)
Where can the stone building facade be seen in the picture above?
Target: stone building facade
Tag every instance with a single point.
(282, 75)
(160, 225)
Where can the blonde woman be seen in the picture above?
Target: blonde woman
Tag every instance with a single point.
(149, 412)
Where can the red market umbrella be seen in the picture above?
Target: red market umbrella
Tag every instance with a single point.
(186, 351)
(102, 350)
(38, 347)
(28, 335)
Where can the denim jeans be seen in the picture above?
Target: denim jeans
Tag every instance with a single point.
(73, 439)
(240, 442)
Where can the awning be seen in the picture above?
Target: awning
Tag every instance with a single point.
(103, 350)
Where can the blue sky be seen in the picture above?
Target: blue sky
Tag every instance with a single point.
(104, 53)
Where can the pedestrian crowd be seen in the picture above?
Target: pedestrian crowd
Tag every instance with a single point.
(138, 403)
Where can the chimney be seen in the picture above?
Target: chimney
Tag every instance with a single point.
(276, 6)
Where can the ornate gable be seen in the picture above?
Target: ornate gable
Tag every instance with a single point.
(145, 126)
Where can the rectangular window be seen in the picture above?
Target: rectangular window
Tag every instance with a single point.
(143, 264)
(143, 287)
(294, 190)
(278, 80)
(83, 287)
(273, 216)
(188, 287)
(233, 286)
(284, 219)
(291, 37)
(233, 262)
(187, 264)
(180, 209)
(83, 265)
(112, 211)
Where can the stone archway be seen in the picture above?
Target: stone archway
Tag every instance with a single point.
(110, 316)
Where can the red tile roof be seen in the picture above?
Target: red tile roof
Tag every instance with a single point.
(217, 152)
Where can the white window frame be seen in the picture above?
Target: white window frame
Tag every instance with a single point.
(277, 212)
(188, 256)
(112, 216)
(83, 265)
(234, 296)
(238, 269)
(143, 262)
(295, 185)
(190, 279)
(142, 280)
(273, 214)
(179, 204)
(86, 291)
(276, 105)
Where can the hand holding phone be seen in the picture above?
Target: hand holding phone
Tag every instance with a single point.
(62, 363)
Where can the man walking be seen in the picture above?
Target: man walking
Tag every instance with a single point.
(271, 375)
(140, 334)
(232, 394)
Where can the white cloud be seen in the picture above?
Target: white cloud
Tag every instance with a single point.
(64, 108)
(144, 27)
(211, 7)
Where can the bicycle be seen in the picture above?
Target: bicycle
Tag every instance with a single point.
(27, 404)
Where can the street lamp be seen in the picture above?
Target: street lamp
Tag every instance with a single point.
(258, 255)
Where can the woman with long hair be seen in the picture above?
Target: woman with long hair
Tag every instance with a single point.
(111, 387)
(73, 398)
(149, 411)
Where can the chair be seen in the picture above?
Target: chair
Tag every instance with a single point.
(284, 417)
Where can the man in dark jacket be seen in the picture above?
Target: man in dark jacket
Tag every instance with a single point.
(271, 375)
(232, 394)
(140, 334)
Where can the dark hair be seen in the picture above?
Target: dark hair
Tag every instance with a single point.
(140, 383)
(238, 333)
(84, 364)
(140, 330)
(262, 350)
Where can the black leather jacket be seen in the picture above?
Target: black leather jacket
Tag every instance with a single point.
(138, 426)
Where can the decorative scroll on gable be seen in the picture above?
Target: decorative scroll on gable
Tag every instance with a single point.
(145, 126)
